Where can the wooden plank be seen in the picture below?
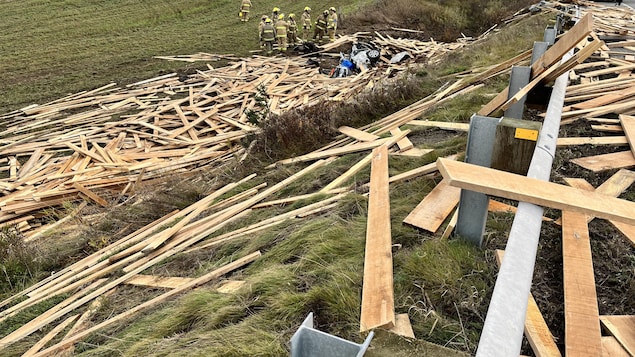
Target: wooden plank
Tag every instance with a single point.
(607, 128)
(432, 211)
(357, 134)
(582, 325)
(536, 329)
(441, 125)
(521, 188)
(402, 326)
(628, 124)
(599, 140)
(90, 194)
(398, 136)
(603, 162)
(451, 225)
(49, 336)
(405, 143)
(569, 40)
(623, 328)
(230, 286)
(332, 152)
(196, 282)
(378, 304)
(612, 348)
(158, 281)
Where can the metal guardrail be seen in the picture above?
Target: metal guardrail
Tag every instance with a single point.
(503, 328)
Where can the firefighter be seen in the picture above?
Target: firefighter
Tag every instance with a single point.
(306, 23)
(332, 24)
(275, 15)
(268, 35)
(260, 26)
(320, 27)
(244, 10)
(282, 28)
(292, 35)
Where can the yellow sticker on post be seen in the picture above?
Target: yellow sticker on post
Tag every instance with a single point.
(526, 134)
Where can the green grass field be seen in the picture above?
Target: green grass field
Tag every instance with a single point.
(52, 48)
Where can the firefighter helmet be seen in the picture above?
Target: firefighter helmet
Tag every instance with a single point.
(292, 15)
(332, 9)
(275, 9)
(306, 8)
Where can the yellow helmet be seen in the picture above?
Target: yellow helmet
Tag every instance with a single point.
(268, 20)
(291, 15)
(275, 9)
(281, 16)
(332, 9)
(307, 8)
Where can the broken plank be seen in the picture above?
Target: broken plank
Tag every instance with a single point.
(378, 304)
(432, 211)
(521, 188)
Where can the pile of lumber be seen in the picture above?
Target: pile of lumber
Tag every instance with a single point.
(98, 145)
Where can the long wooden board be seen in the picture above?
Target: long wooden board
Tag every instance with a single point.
(432, 211)
(378, 301)
(571, 38)
(521, 188)
(598, 163)
(623, 328)
(357, 134)
(628, 124)
(582, 324)
(124, 315)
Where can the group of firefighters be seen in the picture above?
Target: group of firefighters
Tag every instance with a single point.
(285, 32)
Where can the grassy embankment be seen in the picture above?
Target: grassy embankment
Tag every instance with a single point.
(311, 265)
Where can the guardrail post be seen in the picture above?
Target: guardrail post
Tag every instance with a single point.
(472, 217)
